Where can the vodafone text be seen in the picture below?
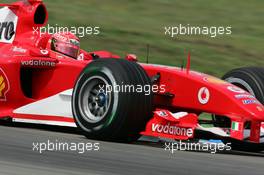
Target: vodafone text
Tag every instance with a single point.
(172, 130)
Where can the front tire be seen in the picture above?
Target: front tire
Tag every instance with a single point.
(251, 79)
(103, 113)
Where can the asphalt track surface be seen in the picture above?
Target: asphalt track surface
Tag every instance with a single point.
(17, 157)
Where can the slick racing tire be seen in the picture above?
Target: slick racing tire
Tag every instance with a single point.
(250, 79)
(104, 107)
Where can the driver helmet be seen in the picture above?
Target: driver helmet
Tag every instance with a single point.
(65, 43)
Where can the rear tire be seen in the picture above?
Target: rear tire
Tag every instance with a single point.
(108, 115)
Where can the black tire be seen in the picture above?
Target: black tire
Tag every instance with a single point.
(125, 113)
(250, 79)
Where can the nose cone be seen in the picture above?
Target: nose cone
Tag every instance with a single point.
(257, 112)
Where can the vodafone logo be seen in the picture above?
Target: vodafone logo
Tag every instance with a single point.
(203, 95)
(44, 52)
(172, 130)
(81, 56)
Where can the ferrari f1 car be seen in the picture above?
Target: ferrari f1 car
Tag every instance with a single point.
(47, 79)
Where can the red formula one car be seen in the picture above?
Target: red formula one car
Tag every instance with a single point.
(48, 79)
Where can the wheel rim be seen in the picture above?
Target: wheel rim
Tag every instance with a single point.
(94, 100)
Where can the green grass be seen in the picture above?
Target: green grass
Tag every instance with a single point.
(127, 26)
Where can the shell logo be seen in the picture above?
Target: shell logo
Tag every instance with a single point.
(4, 85)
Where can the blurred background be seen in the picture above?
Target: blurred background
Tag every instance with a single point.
(127, 26)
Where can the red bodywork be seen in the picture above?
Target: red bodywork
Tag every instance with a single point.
(31, 74)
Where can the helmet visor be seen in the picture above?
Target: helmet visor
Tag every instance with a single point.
(70, 49)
